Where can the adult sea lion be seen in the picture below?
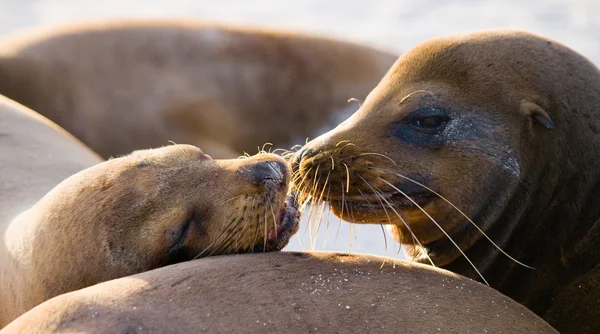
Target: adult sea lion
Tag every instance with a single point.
(126, 215)
(285, 292)
(503, 125)
(126, 85)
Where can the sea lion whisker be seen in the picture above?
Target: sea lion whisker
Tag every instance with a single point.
(285, 152)
(305, 176)
(322, 202)
(220, 235)
(266, 227)
(313, 200)
(353, 99)
(348, 144)
(342, 142)
(246, 224)
(217, 239)
(229, 200)
(459, 211)
(353, 230)
(224, 246)
(265, 144)
(295, 177)
(219, 246)
(379, 155)
(439, 226)
(324, 186)
(273, 214)
(341, 214)
(328, 219)
(347, 177)
(381, 198)
(323, 206)
(415, 92)
(256, 230)
(379, 219)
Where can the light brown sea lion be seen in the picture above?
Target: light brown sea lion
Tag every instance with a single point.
(122, 86)
(505, 125)
(285, 293)
(126, 215)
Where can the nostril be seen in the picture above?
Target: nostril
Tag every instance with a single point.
(304, 153)
(269, 172)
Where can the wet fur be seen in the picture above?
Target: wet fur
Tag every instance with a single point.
(519, 156)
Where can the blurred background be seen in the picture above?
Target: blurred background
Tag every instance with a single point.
(392, 24)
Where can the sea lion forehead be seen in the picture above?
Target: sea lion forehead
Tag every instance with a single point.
(494, 53)
(503, 67)
(166, 154)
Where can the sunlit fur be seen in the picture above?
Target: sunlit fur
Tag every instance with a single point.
(516, 154)
(138, 212)
(285, 292)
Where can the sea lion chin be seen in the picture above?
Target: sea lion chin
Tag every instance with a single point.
(481, 151)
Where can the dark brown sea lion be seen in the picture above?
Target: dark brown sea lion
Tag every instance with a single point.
(123, 86)
(505, 125)
(285, 293)
(126, 215)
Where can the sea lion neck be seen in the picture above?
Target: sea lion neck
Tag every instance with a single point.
(556, 203)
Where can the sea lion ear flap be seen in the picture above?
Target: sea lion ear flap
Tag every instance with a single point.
(538, 114)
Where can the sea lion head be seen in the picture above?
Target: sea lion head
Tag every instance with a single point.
(490, 128)
(156, 207)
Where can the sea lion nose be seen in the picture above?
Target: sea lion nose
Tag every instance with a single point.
(304, 153)
(269, 173)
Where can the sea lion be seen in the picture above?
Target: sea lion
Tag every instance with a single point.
(285, 292)
(126, 85)
(126, 215)
(499, 128)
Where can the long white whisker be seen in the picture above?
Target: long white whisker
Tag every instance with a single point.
(377, 192)
(460, 211)
(440, 227)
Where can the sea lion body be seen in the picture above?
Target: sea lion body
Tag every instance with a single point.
(126, 215)
(285, 292)
(123, 86)
(499, 127)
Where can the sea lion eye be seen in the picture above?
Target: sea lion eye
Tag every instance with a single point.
(430, 123)
(422, 126)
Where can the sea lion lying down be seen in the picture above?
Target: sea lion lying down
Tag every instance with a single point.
(125, 215)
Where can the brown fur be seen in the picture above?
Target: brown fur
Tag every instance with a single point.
(517, 148)
(123, 216)
(122, 86)
(285, 293)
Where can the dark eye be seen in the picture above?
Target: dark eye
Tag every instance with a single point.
(423, 126)
(430, 123)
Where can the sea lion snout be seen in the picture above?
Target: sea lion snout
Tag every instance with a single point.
(270, 174)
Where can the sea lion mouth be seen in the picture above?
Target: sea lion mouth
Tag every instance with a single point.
(381, 202)
(287, 225)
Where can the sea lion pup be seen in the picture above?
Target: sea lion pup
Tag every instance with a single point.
(285, 292)
(126, 215)
(122, 86)
(503, 125)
